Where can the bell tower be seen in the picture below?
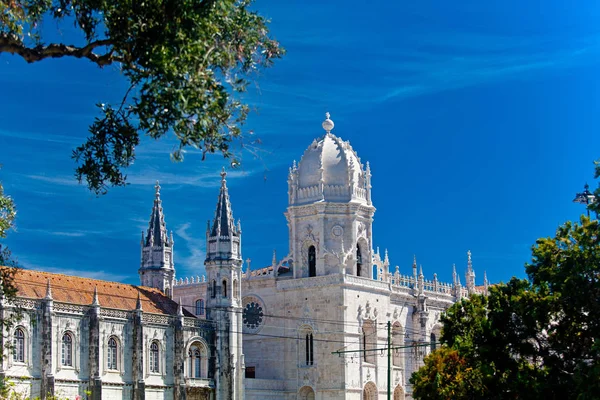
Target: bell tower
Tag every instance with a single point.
(157, 269)
(224, 269)
(330, 213)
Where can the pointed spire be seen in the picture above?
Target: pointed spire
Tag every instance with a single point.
(454, 280)
(95, 301)
(386, 258)
(48, 291)
(421, 271)
(180, 309)
(223, 225)
(414, 266)
(274, 260)
(138, 304)
(157, 229)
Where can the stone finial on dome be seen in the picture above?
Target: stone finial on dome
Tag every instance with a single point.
(328, 123)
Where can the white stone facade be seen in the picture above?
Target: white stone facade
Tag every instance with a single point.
(313, 325)
(333, 292)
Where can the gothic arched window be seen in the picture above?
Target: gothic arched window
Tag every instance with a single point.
(358, 261)
(198, 363)
(224, 287)
(432, 341)
(309, 349)
(312, 261)
(154, 360)
(200, 307)
(214, 289)
(112, 354)
(67, 350)
(369, 342)
(19, 345)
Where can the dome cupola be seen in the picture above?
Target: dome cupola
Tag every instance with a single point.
(329, 170)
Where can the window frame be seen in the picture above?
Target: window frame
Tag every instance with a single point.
(66, 355)
(19, 343)
(154, 357)
(112, 354)
(199, 310)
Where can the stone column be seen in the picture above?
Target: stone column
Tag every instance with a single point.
(47, 378)
(179, 392)
(137, 359)
(95, 382)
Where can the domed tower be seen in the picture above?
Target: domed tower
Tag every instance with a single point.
(330, 214)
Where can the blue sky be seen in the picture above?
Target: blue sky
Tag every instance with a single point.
(480, 121)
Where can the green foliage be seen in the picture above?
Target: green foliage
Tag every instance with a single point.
(8, 212)
(446, 376)
(186, 62)
(529, 339)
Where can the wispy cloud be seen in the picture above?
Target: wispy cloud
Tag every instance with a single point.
(193, 262)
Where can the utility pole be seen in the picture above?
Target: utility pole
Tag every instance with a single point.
(389, 324)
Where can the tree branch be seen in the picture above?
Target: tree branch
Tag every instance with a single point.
(12, 45)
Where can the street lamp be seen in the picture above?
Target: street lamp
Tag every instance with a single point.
(586, 197)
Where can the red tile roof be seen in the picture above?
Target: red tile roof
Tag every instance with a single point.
(77, 290)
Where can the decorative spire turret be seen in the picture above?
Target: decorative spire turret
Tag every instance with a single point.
(48, 291)
(157, 267)
(223, 225)
(224, 238)
(470, 276)
(485, 283)
(138, 304)
(95, 301)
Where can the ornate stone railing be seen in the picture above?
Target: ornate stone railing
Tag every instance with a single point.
(112, 313)
(190, 281)
(155, 319)
(70, 308)
(197, 323)
(26, 304)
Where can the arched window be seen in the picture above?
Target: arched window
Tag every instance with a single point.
(397, 341)
(200, 307)
(309, 349)
(312, 261)
(432, 341)
(358, 261)
(370, 391)
(224, 287)
(67, 350)
(214, 289)
(369, 342)
(19, 345)
(154, 360)
(198, 361)
(112, 354)
(398, 393)
(306, 393)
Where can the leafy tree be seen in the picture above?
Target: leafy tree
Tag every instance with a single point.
(185, 61)
(446, 375)
(530, 339)
(8, 269)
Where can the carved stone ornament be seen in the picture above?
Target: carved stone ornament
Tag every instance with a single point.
(375, 312)
(360, 310)
(396, 313)
(368, 310)
(337, 231)
(361, 229)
